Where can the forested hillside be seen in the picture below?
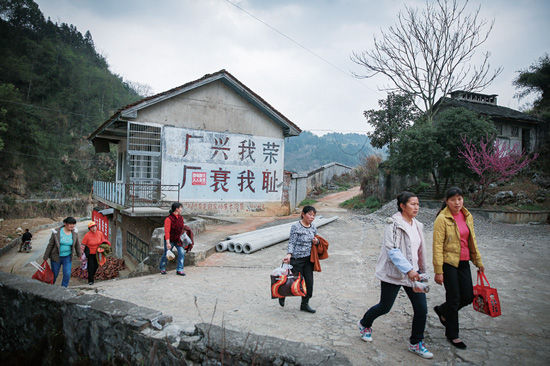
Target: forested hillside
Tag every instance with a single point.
(308, 151)
(55, 89)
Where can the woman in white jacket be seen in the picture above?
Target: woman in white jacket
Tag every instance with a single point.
(402, 258)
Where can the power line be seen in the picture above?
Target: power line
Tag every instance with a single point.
(300, 45)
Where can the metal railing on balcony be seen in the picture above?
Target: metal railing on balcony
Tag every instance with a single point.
(131, 195)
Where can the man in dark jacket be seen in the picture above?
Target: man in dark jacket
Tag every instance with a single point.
(27, 236)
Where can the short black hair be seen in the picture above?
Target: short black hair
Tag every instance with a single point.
(451, 192)
(403, 198)
(307, 209)
(69, 220)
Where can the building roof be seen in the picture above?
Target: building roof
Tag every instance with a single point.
(130, 111)
(490, 110)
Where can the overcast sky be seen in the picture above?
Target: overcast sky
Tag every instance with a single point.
(166, 43)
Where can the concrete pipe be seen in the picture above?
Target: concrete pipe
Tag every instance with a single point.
(231, 246)
(258, 242)
(260, 231)
(222, 246)
(267, 230)
(238, 248)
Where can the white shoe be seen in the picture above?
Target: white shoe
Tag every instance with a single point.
(366, 333)
(420, 350)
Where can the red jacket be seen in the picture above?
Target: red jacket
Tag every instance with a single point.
(318, 251)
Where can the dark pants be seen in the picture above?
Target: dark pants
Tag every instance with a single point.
(92, 266)
(305, 267)
(388, 293)
(459, 293)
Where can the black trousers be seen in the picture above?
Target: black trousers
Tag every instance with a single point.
(388, 293)
(305, 267)
(92, 266)
(459, 292)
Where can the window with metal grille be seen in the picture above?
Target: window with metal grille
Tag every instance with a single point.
(143, 138)
(144, 151)
(144, 167)
(136, 247)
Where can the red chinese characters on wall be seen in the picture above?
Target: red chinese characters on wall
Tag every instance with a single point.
(222, 165)
(101, 221)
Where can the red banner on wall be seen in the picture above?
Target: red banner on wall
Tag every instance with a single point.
(102, 222)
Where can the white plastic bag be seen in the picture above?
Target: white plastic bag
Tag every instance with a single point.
(185, 239)
(169, 255)
(283, 269)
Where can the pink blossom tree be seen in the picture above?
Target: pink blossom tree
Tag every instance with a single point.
(493, 162)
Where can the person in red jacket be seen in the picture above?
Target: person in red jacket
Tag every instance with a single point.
(92, 240)
(173, 230)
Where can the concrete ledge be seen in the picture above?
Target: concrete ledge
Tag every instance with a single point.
(514, 217)
(46, 324)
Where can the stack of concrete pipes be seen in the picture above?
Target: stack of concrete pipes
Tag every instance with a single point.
(252, 241)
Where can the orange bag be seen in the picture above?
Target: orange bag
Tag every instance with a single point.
(485, 297)
(287, 285)
(45, 274)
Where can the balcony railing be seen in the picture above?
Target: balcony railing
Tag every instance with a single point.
(130, 195)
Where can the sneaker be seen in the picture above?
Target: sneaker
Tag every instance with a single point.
(180, 273)
(366, 333)
(420, 350)
(163, 271)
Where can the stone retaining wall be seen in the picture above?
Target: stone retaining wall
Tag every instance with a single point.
(45, 324)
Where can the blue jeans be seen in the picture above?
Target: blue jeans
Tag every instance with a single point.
(180, 260)
(64, 261)
(388, 293)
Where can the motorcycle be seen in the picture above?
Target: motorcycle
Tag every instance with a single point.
(26, 247)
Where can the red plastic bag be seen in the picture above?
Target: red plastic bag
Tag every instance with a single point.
(485, 297)
(45, 274)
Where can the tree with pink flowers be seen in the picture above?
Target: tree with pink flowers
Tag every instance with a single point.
(493, 162)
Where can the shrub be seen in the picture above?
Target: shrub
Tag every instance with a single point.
(307, 202)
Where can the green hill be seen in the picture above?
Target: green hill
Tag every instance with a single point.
(54, 90)
(308, 151)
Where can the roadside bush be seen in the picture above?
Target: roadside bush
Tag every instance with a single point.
(360, 203)
(369, 175)
(307, 202)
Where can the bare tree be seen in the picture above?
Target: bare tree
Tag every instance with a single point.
(428, 54)
(141, 89)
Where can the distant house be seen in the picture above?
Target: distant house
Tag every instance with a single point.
(212, 144)
(513, 127)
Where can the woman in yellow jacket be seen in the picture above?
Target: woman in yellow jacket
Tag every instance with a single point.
(454, 245)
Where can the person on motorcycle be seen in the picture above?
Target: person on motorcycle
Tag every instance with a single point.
(26, 237)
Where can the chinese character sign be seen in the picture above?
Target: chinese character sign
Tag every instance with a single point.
(221, 166)
(102, 222)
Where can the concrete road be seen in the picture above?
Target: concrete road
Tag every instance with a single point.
(232, 290)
